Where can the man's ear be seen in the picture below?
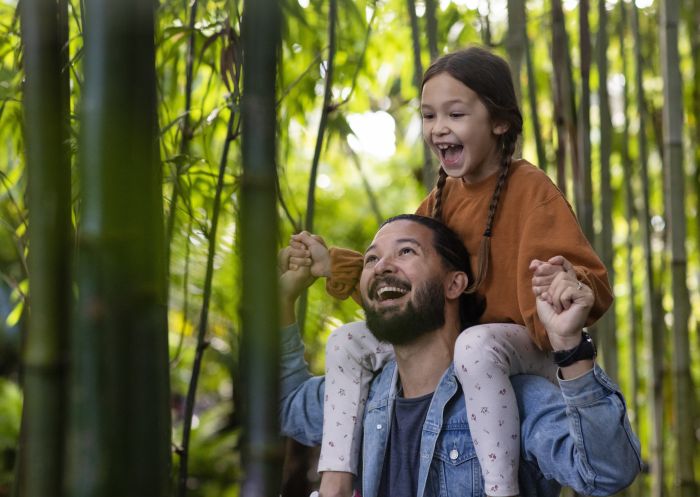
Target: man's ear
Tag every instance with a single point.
(455, 284)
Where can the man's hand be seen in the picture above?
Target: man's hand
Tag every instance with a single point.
(310, 250)
(564, 308)
(292, 282)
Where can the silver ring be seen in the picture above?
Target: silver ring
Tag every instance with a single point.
(579, 286)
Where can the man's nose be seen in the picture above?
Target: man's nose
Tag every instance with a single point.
(384, 265)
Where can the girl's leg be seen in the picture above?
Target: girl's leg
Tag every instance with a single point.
(485, 356)
(353, 354)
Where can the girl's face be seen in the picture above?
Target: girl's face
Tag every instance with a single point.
(459, 130)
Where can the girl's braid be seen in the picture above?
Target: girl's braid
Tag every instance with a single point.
(439, 187)
(508, 148)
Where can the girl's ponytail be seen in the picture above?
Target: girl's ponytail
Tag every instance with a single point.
(439, 187)
(482, 264)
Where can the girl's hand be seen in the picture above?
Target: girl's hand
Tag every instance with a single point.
(566, 316)
(543, 274)
(310, 250)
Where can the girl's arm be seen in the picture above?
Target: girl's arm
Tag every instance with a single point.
(549, 230)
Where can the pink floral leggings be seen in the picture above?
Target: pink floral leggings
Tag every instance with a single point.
(485, 356)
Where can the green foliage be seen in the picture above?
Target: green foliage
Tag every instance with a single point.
(373, 85)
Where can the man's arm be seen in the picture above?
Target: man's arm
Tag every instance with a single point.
(563, 310)
(579, 436)
(301, 395)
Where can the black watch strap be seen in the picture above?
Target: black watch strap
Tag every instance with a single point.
(584, 350)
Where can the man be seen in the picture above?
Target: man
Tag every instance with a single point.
(578, 436)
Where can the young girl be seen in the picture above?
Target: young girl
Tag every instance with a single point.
(508, 213)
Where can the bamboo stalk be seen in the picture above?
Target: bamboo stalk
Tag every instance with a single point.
(583, 184)
(303, 304)
(202, 342)
(428, 173)
(119, 430)
(653, 326)
(260, 349)
(606, 325)
(675, 204)
(186, 133)
(44, 355)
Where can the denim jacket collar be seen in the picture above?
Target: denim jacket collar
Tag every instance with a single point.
(380, 408)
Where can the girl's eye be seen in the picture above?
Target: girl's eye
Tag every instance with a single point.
(427, 116)
(456, 114)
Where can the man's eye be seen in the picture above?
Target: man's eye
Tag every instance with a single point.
(370, 259)
(406, 250)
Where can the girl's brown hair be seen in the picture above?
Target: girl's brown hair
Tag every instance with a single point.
(488, 75)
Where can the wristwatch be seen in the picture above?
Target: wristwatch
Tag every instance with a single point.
(584, 350)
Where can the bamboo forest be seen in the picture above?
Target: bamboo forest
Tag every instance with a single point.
(156, 156)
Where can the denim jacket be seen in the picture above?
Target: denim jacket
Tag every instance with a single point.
(578, 435)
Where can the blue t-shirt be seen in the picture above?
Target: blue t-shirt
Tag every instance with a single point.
(402, 458)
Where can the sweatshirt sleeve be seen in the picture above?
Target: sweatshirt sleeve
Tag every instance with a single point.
(346, 267)
(550, 229)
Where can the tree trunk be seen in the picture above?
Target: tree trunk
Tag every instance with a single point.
(606, 326)
(675, 199)
(44, 355)
(654, 327)
(119, 433)
(260, 352)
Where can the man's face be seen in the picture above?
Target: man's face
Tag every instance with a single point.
(402, 283)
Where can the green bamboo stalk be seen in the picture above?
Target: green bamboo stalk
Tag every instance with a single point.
(515, 42)
(260, 349)
(202, 342)
(431, 28)
(325, 110)
(583, 183)
(532, 98)
(428, 173)
(119, 428)
(323, 123)
(606, 325)
(630, 209)
(675, 203)
(44, 355)
(186, 133)
(653, 325)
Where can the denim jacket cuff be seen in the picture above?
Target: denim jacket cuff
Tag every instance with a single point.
(587, 388)
(290, 338)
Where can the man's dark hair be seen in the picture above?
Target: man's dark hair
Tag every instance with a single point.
(456, 257)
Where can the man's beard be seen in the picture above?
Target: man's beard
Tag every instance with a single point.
(415, 320)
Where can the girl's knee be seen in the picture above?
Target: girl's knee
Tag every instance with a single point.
(351, 340)
(479, 349)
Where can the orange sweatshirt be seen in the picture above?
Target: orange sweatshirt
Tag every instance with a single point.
(533, 221)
